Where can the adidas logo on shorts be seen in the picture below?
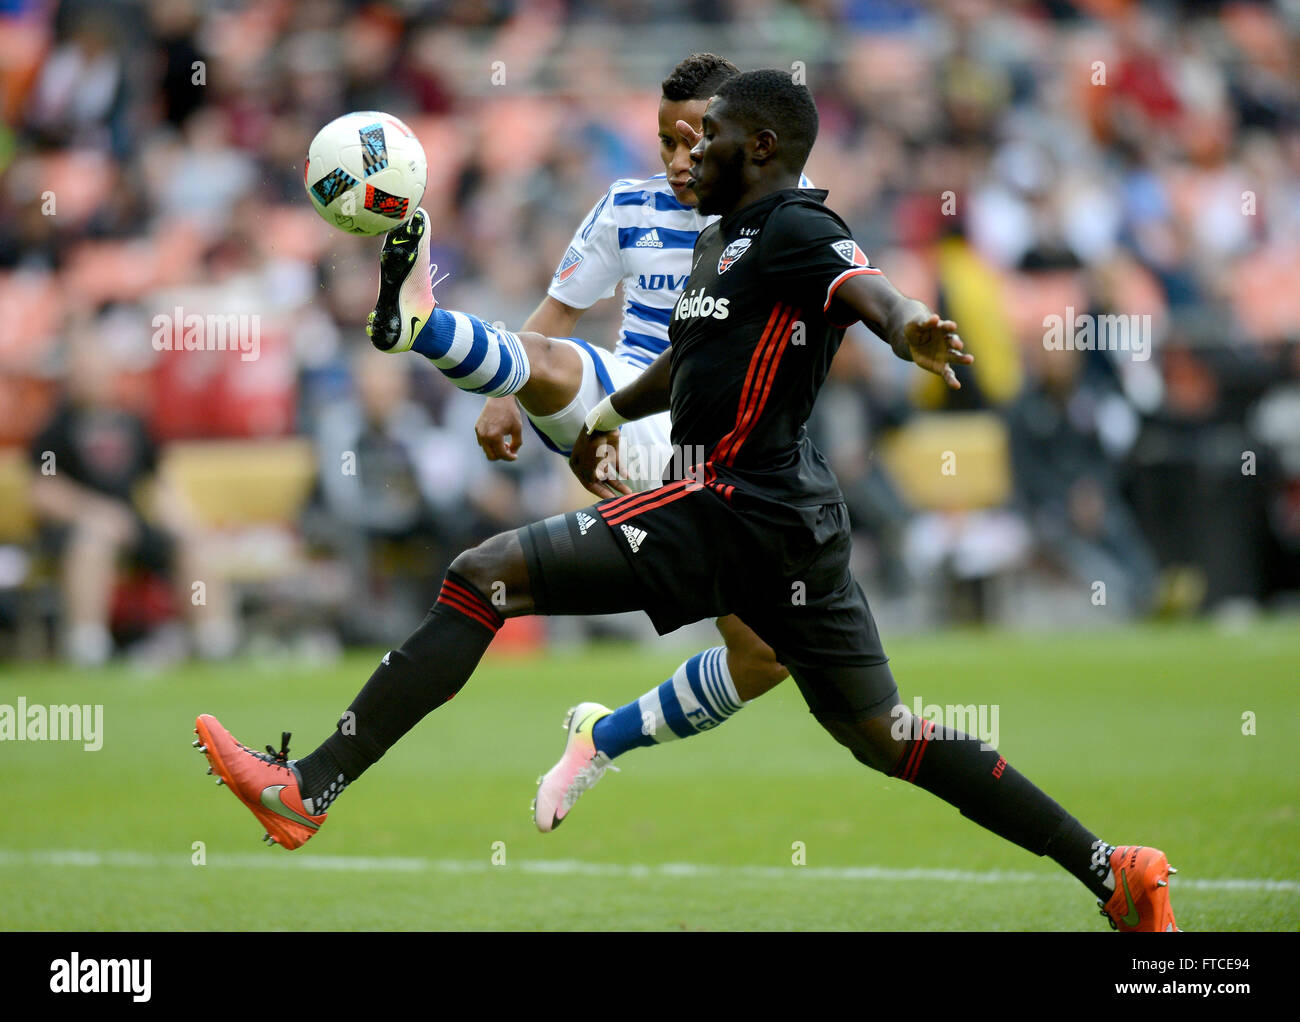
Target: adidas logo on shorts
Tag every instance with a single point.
(650, 240)
(634, 537)
(585, 522)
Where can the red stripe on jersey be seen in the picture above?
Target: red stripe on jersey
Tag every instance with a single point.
(754, 360)
(747, 411)
(857, 271)
(618, 505)
(663, 498)
(767, 373)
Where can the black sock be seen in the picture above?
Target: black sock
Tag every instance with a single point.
(431, 666)
(976, 779)
(1085, 855)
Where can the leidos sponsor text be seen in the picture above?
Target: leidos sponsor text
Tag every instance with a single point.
(214, 332)
(131, 976)
(59, 722)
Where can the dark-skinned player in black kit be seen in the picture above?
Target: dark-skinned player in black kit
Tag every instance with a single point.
(749, 521)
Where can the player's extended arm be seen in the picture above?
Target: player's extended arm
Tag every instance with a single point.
(595, 453)
(500, 426)
(909, 327)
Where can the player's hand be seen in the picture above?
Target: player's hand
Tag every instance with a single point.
(689, 134)
(935, 346)
(595, 461)
(500, 429)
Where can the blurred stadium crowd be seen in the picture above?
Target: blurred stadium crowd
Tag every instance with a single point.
(1003, 162)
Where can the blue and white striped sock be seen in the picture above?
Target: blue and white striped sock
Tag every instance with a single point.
(473, 354)
(698, 697)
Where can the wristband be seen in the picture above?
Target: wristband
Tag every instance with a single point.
(603, 418)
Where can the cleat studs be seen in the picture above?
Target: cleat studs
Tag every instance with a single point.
(1172, 870)
(209, 770)
(196, 743)
(220, 781)
(1162, 883)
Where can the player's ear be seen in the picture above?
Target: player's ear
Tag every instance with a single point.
(763, 146)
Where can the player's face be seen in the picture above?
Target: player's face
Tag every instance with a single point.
(719, 160)
(675, 151)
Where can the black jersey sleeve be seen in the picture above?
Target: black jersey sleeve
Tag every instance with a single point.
(807, 253)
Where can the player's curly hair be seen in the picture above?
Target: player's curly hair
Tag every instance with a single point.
(773, 99)
(698, 77)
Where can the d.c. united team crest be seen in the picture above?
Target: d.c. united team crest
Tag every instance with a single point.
(733, 252)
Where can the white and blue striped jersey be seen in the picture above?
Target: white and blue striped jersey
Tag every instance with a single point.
(640, 234)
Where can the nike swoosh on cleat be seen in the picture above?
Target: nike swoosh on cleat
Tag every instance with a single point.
(271, 799)
(415, 327)
(583, 722)
(1132, 917)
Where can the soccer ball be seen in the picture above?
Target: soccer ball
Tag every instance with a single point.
(365, 172)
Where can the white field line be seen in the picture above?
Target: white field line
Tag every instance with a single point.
(276, 859)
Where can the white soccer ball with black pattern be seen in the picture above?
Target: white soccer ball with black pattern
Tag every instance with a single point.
(365, 172)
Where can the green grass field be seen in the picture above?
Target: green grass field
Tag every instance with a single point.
(1139, 733)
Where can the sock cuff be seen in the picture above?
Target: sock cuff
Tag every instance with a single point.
(459, 594)
(721, 670)
(911, 761)
(473, 354)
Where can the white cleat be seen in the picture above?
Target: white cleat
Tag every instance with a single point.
(579, 768)
(405, 300)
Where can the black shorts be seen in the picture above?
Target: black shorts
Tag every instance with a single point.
(682, 553)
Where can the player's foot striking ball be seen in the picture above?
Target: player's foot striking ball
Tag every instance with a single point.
(757, 526)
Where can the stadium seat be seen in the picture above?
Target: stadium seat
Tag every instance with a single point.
(29, 576)
(977, 475)
(17, 523)
(242, 483)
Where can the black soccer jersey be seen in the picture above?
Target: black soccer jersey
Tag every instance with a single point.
(751, 346)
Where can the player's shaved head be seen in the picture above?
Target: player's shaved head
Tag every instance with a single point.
(772, 100)
(698, 77)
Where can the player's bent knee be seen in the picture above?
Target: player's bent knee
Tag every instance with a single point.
(756, 672)
(873, 741)
(496, 569)
(552, 364)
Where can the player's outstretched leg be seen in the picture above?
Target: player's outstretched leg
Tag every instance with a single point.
(1131, 882)
(289, 797)
(473, 354)
(702, 693)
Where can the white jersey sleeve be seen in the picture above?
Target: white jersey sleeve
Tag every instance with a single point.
(591, 267)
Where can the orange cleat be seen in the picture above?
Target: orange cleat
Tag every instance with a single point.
(263, 781)
(1141, 899)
